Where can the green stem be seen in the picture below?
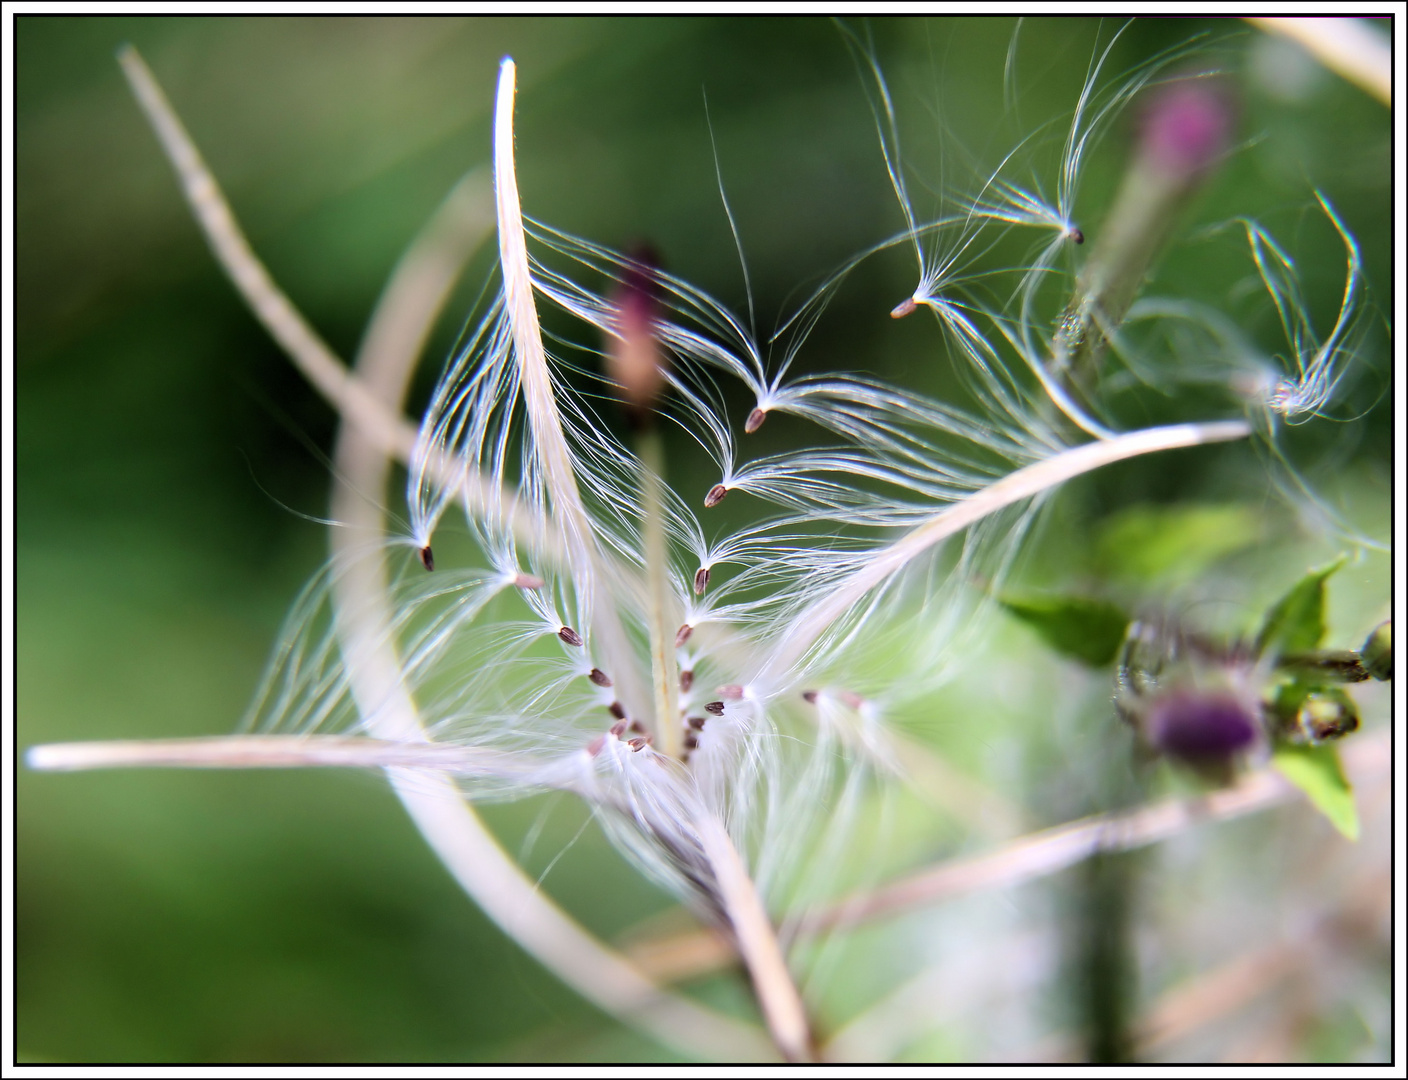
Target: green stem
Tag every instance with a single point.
(664, 669)
(1132, 236)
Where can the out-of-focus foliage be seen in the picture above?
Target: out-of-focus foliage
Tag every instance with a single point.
(168, 461)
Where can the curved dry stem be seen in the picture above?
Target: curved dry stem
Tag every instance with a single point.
(1348, 47)
(757, 944)
(549, 442)
(448, 823)
(1052, 850)
(1367, 761)
(353, 399)
(1024, 483)
(212, 212)
(264, 752)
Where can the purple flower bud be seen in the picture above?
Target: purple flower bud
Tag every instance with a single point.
(1187, 128)
(1201, 725)
(634, 359)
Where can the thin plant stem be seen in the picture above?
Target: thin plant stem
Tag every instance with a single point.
(1028, 858)
(663, 664)
(389, 431)
(1348, 47)
(446, 820)
(303, 344)
(1052, 850)
(757, 944)
(1016, 486)
(264, 752)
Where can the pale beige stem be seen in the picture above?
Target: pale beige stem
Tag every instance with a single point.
(1052, 850)
(1016, 486)
(664, 669)
(549, 442)
(688, 954)
(302, 343)
(265, 752)
(446, 820)
(1349, 47)
(757, 944)
(385, 428)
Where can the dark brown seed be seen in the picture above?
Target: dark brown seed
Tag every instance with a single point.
(715, 707)
(637, 727)
(809, 696)
(686, 680)
(754, 421)
(570, 636)
(690, 742)
(701, 580)
(616, 710)
(906, 307)
(696, 722)
(619, 728)
(599, 677)
(427, 558)
(638, 744)
(716, 495)
(1076, 235)
(682, 635)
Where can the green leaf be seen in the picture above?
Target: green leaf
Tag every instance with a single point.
(1092, 631)
(1148, 542)
(1296, 622)
(1316, 771)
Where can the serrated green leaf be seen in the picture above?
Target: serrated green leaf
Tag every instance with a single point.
(1296, 622)
(1149, 542)
(1316, 771)
(1092, 631)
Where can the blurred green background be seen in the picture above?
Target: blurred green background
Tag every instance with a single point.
(166, 451)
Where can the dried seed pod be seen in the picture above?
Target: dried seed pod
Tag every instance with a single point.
(715, 496)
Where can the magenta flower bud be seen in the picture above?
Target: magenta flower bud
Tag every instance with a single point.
(634, 360)
(1187, 128)
(1201, 726)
